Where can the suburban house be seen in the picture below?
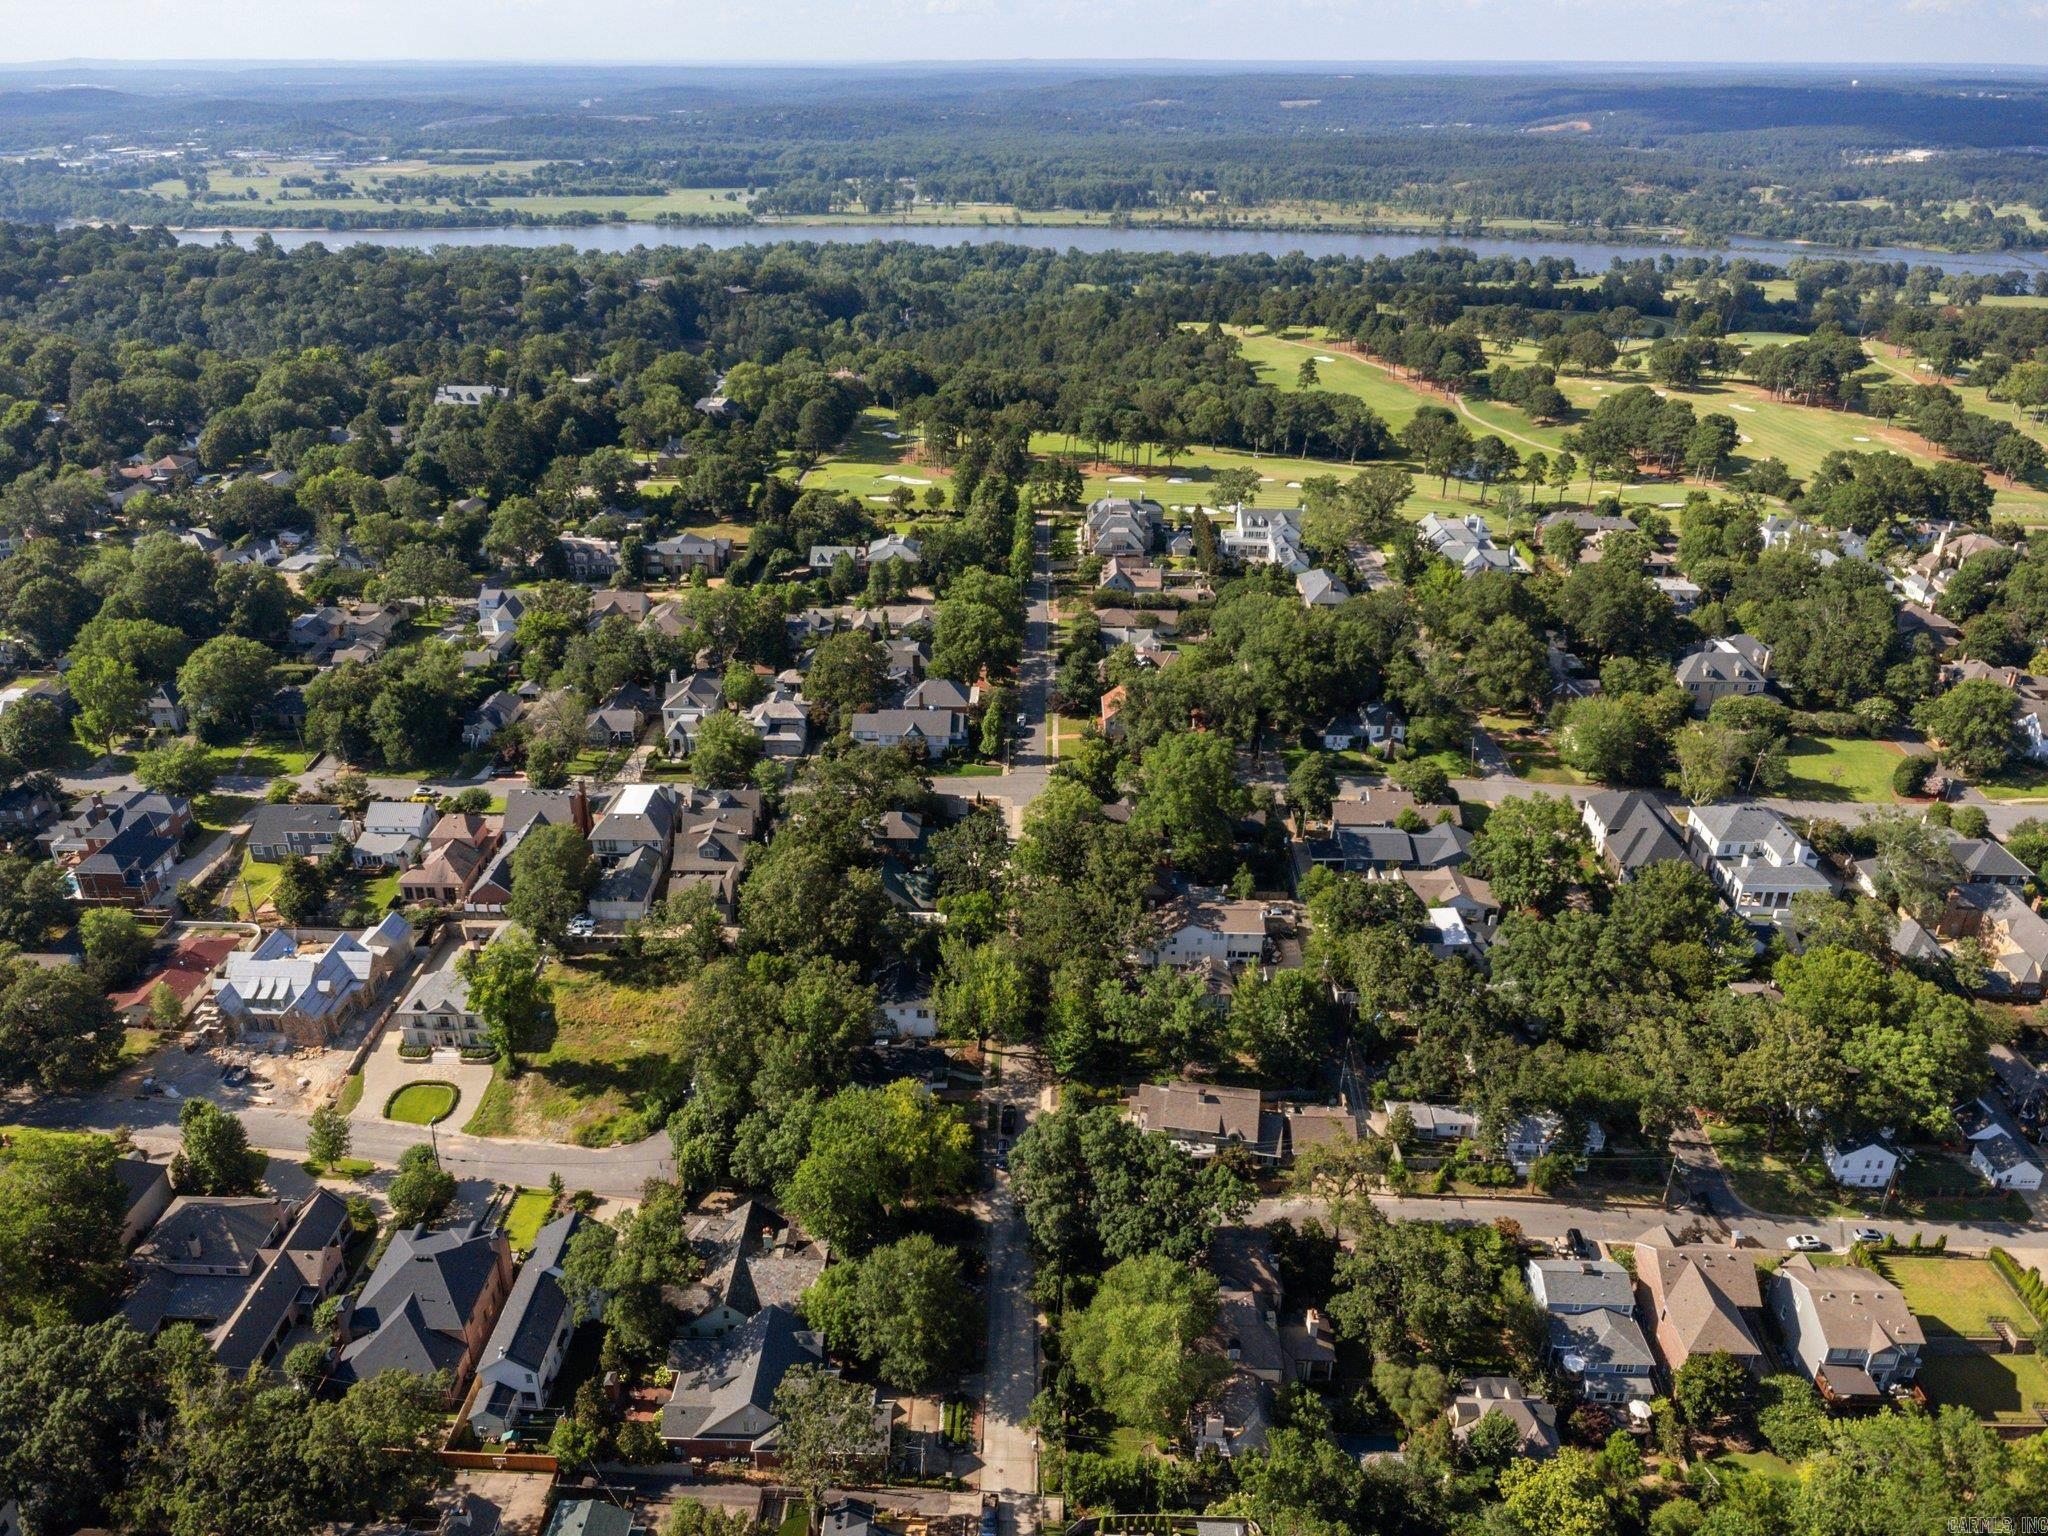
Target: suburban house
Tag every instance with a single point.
(524, 1352)
(903, 1000)
(163, 710)
(1630, 830)
(1846, 1330)
(498, 610)
(1860, 1162)
(628, 889)
(133, 868)
(753, 1259)
(1757, 861)
(640, 816)
(468, 394)
(940, 693)
(674, 558)
(99, 818)
(1998, 1148)
(711, 855)
(588, 559)
(311, 996)
(429, 1305)
(782, 721)
(281, 832)
(1130, 575)
(1266, 536)
(351, 632)
(436, 1012)
(1120, 525)
(393, 833)
(1984, 861)
(182, 974)
(244, 1271)
(1698, 1298)
(1204, 1118)
(1203, 925)
(926, 732)
(892, 546)
(1389, 850)
(1594, 1337)
(722, 1406)
(27, 809)
(1376, 727)
(1317, 588)
(688, 701)
(145, 1196)
(1532, 1416)
(2013, 935)
(450, 866)
(1468, 544)
(1732, 666)
(1465, 896)
(480, 727)
(1264, 1346)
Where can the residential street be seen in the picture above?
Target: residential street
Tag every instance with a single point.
(1009, 1451)
(1031, 757)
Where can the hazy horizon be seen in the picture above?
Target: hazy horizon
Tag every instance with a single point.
(1977, 34)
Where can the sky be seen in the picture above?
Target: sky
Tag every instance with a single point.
(1998, 32)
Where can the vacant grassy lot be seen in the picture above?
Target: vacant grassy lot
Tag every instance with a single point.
(1841, 768)
(1788, 1182)
(249, 892)
(1990, 1386)
(525, 1217)
(1956, 1295)
(610, 1052)
(422, 1103)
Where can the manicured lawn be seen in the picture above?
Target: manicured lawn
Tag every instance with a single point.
(347, 1168)
(1841, 768)
(351, 1093)
(380, 890)
(1752, 1464)
(2022, 781)
(969, 771)
(612, 1046)
(1990, 1386)
(871, 463)
(525, 1217)
(1956, 1295)
(422, 1103)
(249, 891)
(263, 759)
(1787, 1182)
(216, 813)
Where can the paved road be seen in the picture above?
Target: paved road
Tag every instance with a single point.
(1009, 1451)
(1618, 1223)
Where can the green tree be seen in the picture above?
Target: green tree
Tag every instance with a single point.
(74, 1405)
(327, 1136)
(58, 1032)
(827, 1431)
(1712, 1388)
(421, 1189)
(115, 945)
(1564, 1496)
(213, 1152)
(183, 768)
(725, 751)
(300, 893)
(1532, 849)
(551, 877)
(1311, 788)
(223, 681)
(847, 675)
(34, 731)
(905, 1310)
(1136, 1345)
(109, 695)
(873, 1151)
(508, 990)
(1973, 724)
(1187, 796)
(61, 1211)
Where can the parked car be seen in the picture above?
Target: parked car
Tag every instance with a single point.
(1575, 1245)
(1806, 1242)
(990, 1515)
(1867, 1235)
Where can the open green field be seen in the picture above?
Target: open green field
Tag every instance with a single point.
(611, 1047)
(263, 758)
(1841, 768)
(524, 1218)
(1956, 1295)
(1799, 435)
(422, 1103)
(1990, 1386)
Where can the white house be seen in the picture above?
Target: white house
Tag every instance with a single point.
(1196, 928)
(525, 1349)
(393, 833)
(1999, 1149)
(1861, 1162)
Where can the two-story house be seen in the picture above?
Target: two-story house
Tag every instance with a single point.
(1846, 1330)
(1758, 862)
(1589, 1305)
(524, 1352)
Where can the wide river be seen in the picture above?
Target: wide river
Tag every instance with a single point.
(1209, 242)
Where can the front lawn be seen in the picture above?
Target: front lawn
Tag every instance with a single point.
(1956, 1295)
(1990, 1386)
(427, 1103)
(216, 812)
(263, 759)
(249, 891)
(1789, 1182)
(604, 1067)
(2022, 781)
(1840, 768)
(524, 1218)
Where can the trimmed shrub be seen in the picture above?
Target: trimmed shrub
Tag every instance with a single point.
(1910, 777)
